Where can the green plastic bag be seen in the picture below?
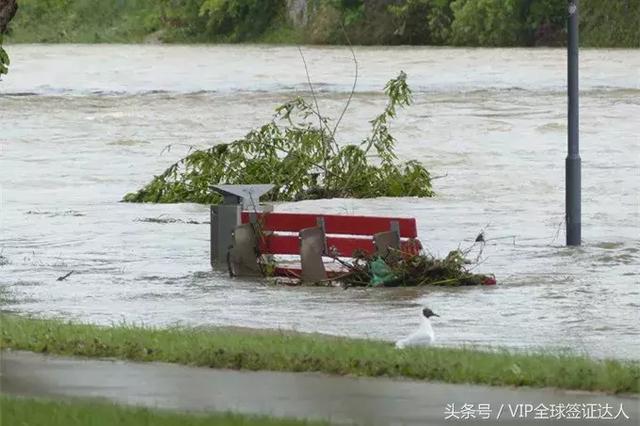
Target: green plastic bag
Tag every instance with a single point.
(381, 273)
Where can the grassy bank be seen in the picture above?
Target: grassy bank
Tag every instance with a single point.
(33, 412)
(285, 351)
(611, 23)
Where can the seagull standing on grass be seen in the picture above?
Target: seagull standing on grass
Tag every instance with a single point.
(423, 336)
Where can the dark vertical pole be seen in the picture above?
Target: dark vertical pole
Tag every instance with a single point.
(213, 223)
(573, 196)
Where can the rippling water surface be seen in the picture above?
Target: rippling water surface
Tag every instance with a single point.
(82, 125)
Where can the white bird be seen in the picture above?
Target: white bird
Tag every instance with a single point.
(423, 336)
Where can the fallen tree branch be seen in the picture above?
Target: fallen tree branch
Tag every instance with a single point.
(64, 277)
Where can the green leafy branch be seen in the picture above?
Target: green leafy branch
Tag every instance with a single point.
(299, 155)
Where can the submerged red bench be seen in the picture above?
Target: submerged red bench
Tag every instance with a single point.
(312, 236)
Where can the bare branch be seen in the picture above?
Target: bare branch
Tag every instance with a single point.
(440, 176)
(171, 145)
(323, 123)
(353, 89)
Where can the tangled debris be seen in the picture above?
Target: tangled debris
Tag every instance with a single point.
(400, 269)
(412, 270)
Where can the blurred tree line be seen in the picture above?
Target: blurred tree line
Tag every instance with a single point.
(604, 23)
(8, 10)
(480, 22)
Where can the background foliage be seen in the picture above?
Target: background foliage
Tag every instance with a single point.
(95, 21)
(297, 152)
(487, 22)
(4, 59)
(7, 12)
(434, 22)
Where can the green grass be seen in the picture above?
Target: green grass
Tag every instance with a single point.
(287, 351)
(34, 412)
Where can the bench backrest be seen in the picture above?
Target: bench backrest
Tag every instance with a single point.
(344, 234)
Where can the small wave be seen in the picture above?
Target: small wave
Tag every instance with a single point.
(609, 245)
(55, 214)
(623, 258)
(155, 296)
(27, 283)
(166, 220)
(553, 127)
(127, 142)
(324, 88)
(18, 94)
(75, 92)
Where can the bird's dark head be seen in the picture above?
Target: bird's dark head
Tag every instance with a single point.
(429, 313)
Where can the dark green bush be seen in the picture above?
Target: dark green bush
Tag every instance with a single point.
(610, 23)
(546, 22)
(487, 23)
(422, 21)
(239, 20)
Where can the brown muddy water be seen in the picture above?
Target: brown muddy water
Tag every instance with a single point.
(83, 125)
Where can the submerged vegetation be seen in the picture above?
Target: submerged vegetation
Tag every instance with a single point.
(611, 23)
(290, 351)
(297, 152)
(38, 412)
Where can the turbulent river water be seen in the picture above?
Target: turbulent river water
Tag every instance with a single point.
(82, 125)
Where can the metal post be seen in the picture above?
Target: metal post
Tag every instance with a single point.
(212, 236)
(572, 163)
(226, 217)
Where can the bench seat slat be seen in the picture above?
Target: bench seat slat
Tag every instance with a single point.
(334, 224)
(290, 244)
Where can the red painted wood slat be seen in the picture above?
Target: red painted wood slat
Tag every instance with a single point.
(290, 244)
(334, 224)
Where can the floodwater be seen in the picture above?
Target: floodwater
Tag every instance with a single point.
(83, 125)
